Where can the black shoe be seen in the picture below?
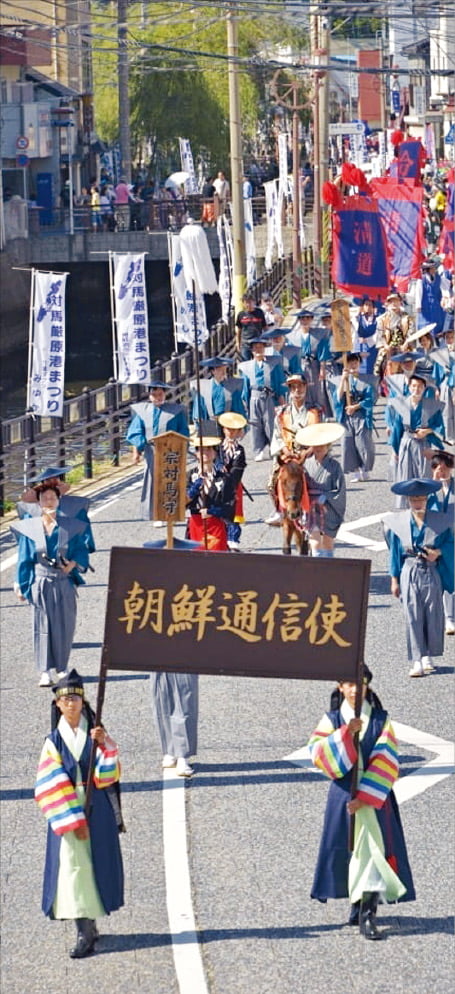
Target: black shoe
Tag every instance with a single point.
(368, 927)
(84, 947)
(354, 914)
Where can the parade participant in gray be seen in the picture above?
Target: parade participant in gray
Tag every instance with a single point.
(353, 403)
(151, 418)
(326, 486)
(71, 505)
(52, 552)
(175, 703)
(421, 567)
(416, 426)
(264, 388)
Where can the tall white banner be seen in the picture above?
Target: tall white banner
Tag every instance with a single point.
(226, 255)
(131, 318)
(186, 158)
(273, 204)
(282, 163)
(302, 233)
(250, 246)
(183, 299)
(47, 345)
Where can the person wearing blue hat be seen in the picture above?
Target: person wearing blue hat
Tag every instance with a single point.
(365, 335)
(278, 346)
(442, 464)
(83, 874)
(219, 394)
(416, 426)
(52, 554)
(315, 353)
(264, 389)
(428, 296)
(73, 506)
(443, 356)
(421, 549)
(151, 418)
(353, 403)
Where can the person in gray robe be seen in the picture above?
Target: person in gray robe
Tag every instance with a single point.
(73, 506)
(326, 485)
(151, 418)
(264, 388)
(353, 402)
(416, 427)
(52, 553)
(421, 567)
(444, 500)
(175, 703)
(444, 370)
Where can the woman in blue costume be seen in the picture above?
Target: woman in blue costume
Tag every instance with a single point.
(378, 868)
(151, 418)
(52, 554)
(71, 505)
(421, 568)
(416, 427)
(83, 873)
(218, 394)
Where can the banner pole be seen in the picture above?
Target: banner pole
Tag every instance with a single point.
(98, 712)
(173, 302)
(198, 390)
(31, 325)
(113, 317)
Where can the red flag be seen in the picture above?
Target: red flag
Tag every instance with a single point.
(400, 207)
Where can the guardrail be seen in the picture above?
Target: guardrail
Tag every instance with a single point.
(94, 423)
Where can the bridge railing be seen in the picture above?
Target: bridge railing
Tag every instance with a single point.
(94, 423)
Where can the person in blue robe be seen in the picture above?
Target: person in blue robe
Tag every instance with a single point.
(421, 552)
(444, 500)
(83, 872)
(431, 310)
(264, 389)
(378, 868)
(52, 554)
(416, 427)
(365, 337)
(151, 418)
(73, 506)
(219, 394)
(353, 402)
(443, 356)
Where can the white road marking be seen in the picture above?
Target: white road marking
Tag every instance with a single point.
(347, 533)
(429, 774)
(185, 945)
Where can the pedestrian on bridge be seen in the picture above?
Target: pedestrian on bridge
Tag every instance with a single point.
(378, 869)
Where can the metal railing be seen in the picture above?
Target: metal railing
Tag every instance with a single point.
(94, 424)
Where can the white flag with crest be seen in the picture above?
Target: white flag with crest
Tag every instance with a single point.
(183, 299)
(130, 317)
(186, 158)
(47, 371)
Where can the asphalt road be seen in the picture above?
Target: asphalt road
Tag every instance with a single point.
(251, 815)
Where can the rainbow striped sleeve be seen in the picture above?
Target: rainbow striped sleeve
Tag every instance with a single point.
(382, 770)
(55, 794)
(332, 750)
(107, 766)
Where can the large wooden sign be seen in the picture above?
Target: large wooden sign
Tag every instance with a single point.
(169, 476)
(341, 325)
(244, 615)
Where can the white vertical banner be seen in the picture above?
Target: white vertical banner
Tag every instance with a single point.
(250, 246)
(226, 255)
(186, 158)
(429, 142)
(271, 201)
(47, 345)
(282, 163)
(183, 299)
(130, 317)
(302, 233)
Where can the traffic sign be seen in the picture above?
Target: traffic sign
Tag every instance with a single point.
(346, 128)
(22, 143)
(22, 161)
(450, 136)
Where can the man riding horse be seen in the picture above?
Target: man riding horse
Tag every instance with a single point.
(288, 419)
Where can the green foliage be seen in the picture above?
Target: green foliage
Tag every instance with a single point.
(179, 74)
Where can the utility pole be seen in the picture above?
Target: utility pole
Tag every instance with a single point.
(320, 53)
(289, 97)
(235, 134)
(123, 92)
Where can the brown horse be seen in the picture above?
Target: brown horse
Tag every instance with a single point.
(293, 502)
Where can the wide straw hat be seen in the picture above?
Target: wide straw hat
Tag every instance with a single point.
(324, 433)
(427, 329)
(207, 441)
(232, 420)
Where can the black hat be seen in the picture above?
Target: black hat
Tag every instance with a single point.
(305, 313)
(416, 487)
(275, 332)
(51, 471)
(256, 341)
(71, 683)
(159, 385)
